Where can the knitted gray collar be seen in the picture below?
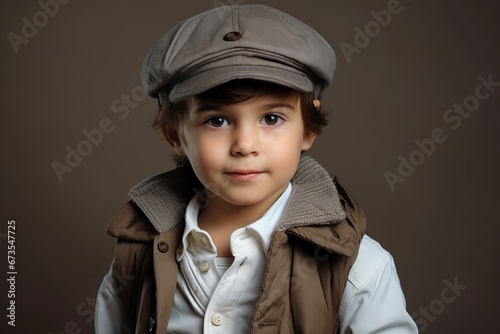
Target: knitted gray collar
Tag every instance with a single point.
(314, 199)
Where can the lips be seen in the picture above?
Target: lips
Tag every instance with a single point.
(244, 174)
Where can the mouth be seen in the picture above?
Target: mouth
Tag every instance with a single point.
(244, 174)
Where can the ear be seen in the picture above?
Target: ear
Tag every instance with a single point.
(173, 140)
(308, 141)
(309, 138)
(178, 148)
(317, 103)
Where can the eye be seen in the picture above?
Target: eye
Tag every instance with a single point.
(272, 119)
(216, 122)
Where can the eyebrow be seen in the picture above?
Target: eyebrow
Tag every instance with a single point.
(208, 107)
(219, 107)
(278, 105)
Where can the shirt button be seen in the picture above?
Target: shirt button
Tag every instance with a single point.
(202, 241)
(217, 319)
(204, 266)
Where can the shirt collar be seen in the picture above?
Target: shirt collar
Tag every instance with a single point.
(191, 219)
(263, 227)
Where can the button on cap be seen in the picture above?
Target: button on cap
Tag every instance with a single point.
(204, 266)
(232, 36)
(163, 246)
(217, 319)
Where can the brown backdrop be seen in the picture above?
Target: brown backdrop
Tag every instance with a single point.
(75, 67)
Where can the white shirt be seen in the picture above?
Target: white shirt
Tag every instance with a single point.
(373, 301)
(209, 300)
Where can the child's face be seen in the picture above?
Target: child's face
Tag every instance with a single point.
(245, 153)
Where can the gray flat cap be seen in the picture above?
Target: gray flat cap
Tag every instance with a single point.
(237, 42)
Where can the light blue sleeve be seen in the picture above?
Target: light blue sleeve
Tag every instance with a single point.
(373, 301)
(109, 314)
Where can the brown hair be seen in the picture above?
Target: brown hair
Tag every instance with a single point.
(170, 115)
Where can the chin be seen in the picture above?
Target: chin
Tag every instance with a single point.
(242, 200)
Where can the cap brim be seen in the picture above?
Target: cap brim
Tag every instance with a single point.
(210, 78)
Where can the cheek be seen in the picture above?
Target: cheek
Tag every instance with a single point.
(289, 143)
(207, 156)
(203, 153)
(286, 152)
(286, 159)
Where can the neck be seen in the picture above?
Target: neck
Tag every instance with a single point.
(221, 218)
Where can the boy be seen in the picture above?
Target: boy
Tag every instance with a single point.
(247, 234)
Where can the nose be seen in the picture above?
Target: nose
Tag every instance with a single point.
(245, 141)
